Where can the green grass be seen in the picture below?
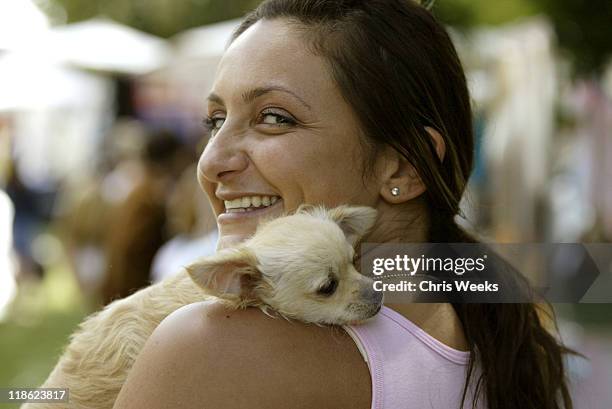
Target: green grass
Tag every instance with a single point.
(37, 328)
(29, 352)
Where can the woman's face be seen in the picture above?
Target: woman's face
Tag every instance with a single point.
(280, 128)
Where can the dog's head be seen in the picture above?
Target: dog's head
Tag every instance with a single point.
(299, 265)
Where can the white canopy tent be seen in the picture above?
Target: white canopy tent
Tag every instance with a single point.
(32, 82)
(104, 45)
(35, 72)
(205, 42)
(21, 24)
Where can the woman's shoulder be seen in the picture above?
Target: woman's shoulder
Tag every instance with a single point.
(205, 352)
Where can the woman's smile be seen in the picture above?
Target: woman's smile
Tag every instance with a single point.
(248, 209)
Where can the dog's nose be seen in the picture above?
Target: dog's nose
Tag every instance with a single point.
(369, 294)
(377, 298)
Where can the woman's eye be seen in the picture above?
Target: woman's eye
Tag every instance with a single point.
(275, 118)
(213, 123)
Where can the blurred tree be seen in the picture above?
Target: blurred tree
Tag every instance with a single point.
(584, 30)
(167, 17)
(163, 18)
(468, 13)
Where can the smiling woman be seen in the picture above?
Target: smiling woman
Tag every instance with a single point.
(336, 102)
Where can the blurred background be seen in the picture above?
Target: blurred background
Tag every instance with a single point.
(101, 103)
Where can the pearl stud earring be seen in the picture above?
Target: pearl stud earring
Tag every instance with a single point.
(395, 191)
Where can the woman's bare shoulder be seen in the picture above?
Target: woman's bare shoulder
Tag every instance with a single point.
(206, 353)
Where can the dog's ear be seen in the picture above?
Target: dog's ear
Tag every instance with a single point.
(355, 221)
(311, 209)
(229, 274)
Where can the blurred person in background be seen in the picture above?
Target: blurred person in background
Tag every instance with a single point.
(33, 212)
(88, 205)
(137, 228)
(192, 224)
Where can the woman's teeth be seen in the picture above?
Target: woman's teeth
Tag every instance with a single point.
(249, 203)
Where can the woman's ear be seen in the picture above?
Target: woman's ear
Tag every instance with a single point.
(402, 182)
(438, 142)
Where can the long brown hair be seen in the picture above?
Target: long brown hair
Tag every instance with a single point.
(398, 69)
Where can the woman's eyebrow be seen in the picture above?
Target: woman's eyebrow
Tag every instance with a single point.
(251, 95)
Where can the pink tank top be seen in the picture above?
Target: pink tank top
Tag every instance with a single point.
(409, 368)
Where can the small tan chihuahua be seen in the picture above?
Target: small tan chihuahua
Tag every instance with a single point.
(299, 265)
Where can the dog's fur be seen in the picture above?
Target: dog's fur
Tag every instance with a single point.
(281, 268)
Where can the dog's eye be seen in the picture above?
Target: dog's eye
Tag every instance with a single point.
(329, 288)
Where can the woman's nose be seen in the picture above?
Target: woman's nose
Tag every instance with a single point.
(222, 159)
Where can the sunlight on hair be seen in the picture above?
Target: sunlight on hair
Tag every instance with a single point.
(427, 4)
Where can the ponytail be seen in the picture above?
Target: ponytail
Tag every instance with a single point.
(520, 363)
